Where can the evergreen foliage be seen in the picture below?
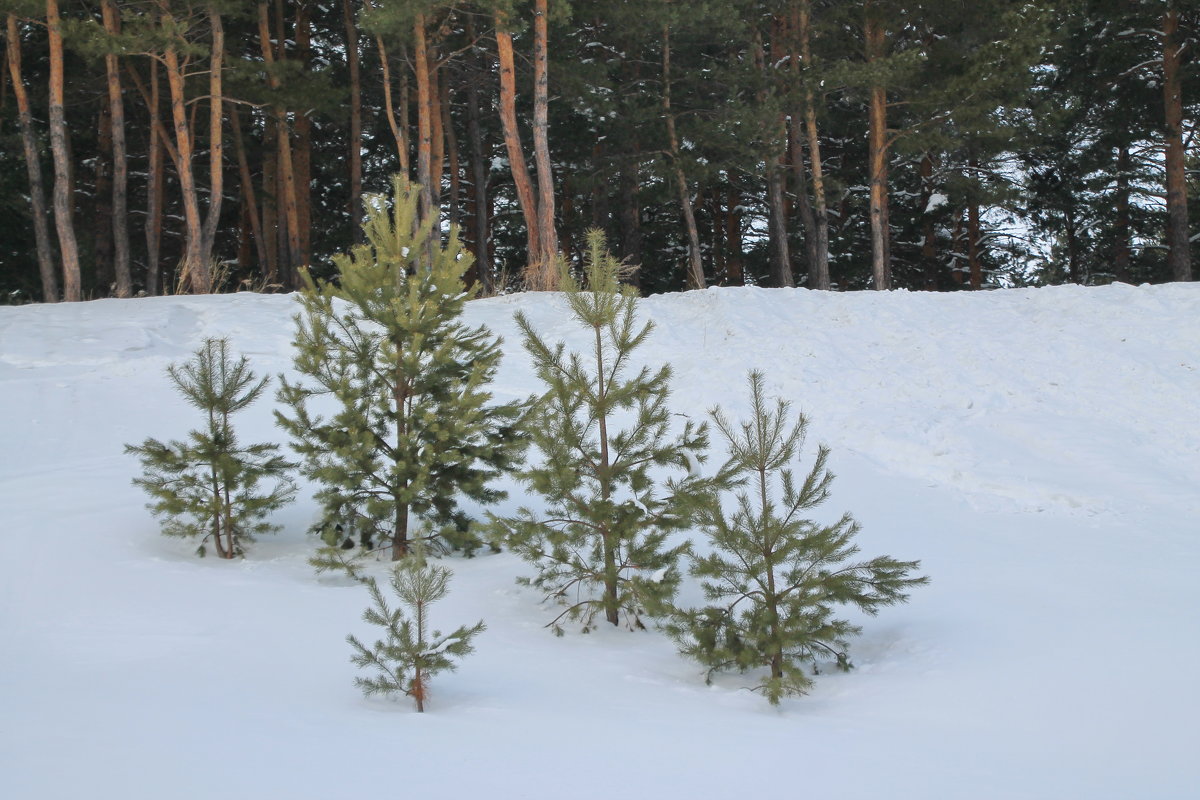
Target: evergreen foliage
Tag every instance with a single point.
(601, 544)
(775, 577)
(209, 485)
(410, 654)
(411, 427)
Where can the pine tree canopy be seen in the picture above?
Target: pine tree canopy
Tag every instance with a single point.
(775, 577)
(393, 414)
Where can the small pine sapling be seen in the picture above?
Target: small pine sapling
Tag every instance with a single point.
(410, 654)
(615, 483)
(775, 577)
(209, 486)
(411, 429)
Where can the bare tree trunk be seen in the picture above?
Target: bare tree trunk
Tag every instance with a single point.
(216, 136)
(781, 260)
(120, 168)
(695, 272)
(799, 173)
(424, 123)
(356, 135)
(1179, 257)
(1072, 230)
(451, 151)
(512, 142)
(630, 214)
(735, 265)
(270, 205)
(302, 158)
(437, 138)
(250, 202)
(973, 259)
(285, 170)
(1121, 254)
(63, 211)
(37, 194)
(877, 156)
(547, 235)
(103, 276)
(928, 234)
(195, 267)
(479, 179)
(155, 186)
(818, 269)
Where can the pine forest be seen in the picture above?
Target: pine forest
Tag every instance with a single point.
(174, 146)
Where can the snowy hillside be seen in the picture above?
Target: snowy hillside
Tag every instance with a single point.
(1038, 450)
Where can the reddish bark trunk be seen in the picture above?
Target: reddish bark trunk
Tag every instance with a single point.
(1179, 257)
(512, 142)
(120, 167)
(63, 205)
(37, 194)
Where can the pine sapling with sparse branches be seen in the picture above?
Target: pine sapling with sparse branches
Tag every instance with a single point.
(775, 577)
(210, 486)
(615, 481)
(410, 653)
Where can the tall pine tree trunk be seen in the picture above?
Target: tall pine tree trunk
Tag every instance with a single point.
(437, 139)
(736, 264)
(302, 158)
(155, 184)
(512, 143)
(547, 234)
(63, 205)
(249, 201)
(452, 160)
(877, 157)
(1121, 254)
(479, 178)
(781, 260)
(195, 268)
(928, 233)
(424, 122)
(120, 167)
(818, 270)
(695, 271)
(285, 173)
(1179, 257)
(216, 135)
(630, 213)
(33, 166)
(356, 135)
(103, 276)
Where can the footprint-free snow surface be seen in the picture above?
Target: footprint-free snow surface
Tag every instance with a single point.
(1037, 450)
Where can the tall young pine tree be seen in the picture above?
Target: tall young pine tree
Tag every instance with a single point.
(410, 427)
(601, 544)
(775, 577)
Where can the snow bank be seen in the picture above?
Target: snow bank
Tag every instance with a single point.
(1039, 450)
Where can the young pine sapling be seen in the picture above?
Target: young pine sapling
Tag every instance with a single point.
(614, 481)
(775, 577)
(210, 486)
(410, 654)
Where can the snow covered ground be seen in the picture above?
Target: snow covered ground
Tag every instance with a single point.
(1038, 450)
